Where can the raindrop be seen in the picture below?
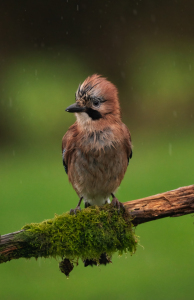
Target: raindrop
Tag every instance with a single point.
(170, 149)
(10, 102)
(190, 67)
(36, 72)
(123, 74)
(77, 7)
(175, 113)
(153, 18)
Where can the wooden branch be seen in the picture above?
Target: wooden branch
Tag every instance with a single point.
(174, 203)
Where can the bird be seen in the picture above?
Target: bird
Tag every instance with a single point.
(97, 148)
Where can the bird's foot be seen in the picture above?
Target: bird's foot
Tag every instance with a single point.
(74, 211)
(115, 202)
(78, 208)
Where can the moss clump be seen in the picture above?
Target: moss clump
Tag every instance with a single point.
(88, 234)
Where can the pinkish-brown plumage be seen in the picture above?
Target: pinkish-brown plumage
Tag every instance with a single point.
(97, 147)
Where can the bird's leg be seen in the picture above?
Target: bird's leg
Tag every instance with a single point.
(74, 211)
(115, 202)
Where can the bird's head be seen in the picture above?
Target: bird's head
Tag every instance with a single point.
(96, 101)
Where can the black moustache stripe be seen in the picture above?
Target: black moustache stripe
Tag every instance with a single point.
(94, 114)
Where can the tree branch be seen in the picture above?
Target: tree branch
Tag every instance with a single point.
(48, 238)
(174, 203)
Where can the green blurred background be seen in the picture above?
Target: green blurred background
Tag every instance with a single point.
(146, 48)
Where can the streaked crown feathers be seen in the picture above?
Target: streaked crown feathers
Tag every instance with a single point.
(96, 87)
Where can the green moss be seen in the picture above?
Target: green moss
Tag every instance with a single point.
(88, 234)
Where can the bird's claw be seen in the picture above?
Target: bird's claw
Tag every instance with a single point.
(115, 202)
(74, 211)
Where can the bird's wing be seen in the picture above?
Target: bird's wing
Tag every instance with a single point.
(64, 150)
(64, 163)
(128, 143)
(67, 145)
(130, 156)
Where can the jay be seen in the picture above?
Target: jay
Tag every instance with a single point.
(97, 147)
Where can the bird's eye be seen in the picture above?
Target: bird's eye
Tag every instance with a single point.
(96, 102)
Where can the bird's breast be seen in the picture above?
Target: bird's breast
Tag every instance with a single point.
(97, 166)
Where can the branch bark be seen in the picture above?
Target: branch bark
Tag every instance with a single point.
(174, 203)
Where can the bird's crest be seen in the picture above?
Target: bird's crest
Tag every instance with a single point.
(98, 89)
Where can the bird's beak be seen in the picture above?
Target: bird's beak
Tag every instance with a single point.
(75, 108)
